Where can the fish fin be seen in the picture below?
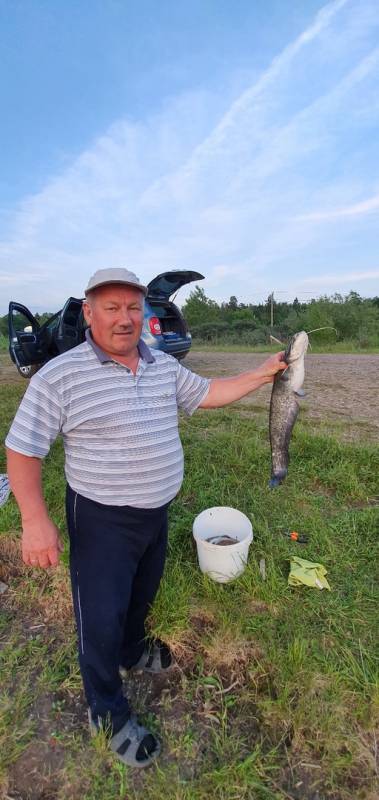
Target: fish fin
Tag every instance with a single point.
(300, 393)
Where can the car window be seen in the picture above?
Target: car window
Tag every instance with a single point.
(159, 311)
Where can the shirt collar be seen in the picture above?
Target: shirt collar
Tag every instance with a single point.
(143, 350)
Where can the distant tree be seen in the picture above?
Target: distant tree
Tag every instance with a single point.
(233, 303)
(293, 321)
(354, 297)
(245, 314)
(199, 309)
(210, 331)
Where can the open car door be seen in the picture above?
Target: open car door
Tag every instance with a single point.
(32, 344)
(27, 340)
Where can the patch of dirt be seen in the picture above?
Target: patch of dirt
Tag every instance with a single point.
(338, 387)
(8, 372)
(35, 774)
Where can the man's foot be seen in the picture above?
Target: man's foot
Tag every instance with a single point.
(155, 658)
(134, 745)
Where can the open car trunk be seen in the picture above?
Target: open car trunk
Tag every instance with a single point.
(171, 321)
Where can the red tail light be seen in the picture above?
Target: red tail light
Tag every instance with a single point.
(155, 326)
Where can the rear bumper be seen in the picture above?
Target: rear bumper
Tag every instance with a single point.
(176, 350)
(174, 347)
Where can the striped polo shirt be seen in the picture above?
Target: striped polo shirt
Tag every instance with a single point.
(120, 430)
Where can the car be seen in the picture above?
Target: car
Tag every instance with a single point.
(164, 328)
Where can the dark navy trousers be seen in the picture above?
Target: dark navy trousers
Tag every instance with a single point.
(117, 555)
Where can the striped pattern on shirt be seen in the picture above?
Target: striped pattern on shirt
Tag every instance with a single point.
(120, 430)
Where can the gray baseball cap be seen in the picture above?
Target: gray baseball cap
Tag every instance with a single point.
(114, 275)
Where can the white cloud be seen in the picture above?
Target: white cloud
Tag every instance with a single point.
(15, 279)
(319, 281)
(364, 207)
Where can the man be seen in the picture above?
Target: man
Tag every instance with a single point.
(115, 403)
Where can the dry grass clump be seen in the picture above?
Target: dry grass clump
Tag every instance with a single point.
(55, 601)
(186, 645)
(219, 650)
(228, 652)
(11, 564)
(261, 607)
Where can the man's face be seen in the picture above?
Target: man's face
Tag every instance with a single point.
(115, 314)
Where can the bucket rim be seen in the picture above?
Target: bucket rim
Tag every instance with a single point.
(247, 538)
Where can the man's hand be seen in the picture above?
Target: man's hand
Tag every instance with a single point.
(41, 543)
(272, 365)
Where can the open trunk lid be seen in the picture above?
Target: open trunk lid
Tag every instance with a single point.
(167, 283)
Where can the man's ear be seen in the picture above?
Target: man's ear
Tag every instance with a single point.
(87, 312)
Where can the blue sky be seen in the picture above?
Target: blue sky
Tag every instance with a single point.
(236, 138)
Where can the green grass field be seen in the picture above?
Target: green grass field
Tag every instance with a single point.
(276, 694)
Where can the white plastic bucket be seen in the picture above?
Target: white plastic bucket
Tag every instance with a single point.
(222, 563)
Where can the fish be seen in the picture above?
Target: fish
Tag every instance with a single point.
(284, 407)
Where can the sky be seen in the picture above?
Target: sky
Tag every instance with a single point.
(239, 139)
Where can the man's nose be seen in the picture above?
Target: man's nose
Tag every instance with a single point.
(124, 317)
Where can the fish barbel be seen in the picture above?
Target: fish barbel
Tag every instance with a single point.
(284, 407)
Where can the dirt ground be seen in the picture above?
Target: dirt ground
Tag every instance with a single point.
(339, 388)
(8, 372)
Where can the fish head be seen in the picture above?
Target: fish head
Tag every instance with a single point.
(297, 347)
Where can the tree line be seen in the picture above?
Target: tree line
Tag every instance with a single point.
(41, 318)
(348, 318)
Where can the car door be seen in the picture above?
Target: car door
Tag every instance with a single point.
(27, 340)
(70, 327)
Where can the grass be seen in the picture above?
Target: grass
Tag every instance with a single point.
(277, 691)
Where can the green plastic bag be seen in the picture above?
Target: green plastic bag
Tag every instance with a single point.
(307, 573)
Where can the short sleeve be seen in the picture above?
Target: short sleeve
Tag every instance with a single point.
(38, 420)
(190, 389)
